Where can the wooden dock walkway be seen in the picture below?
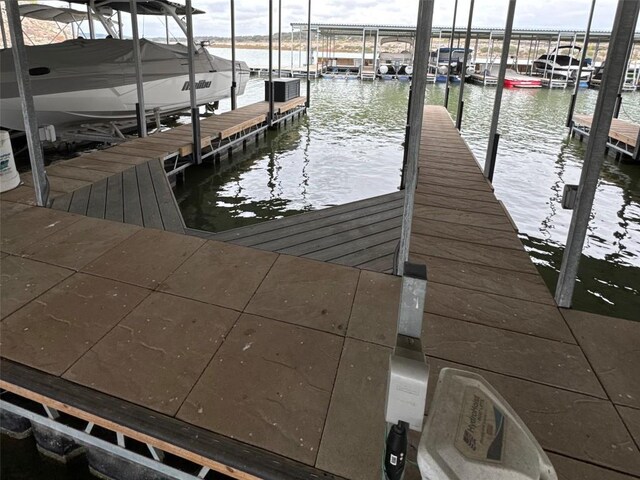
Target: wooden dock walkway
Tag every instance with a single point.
(361, 234)
(573, 377)
(265, 365)
(623, 135)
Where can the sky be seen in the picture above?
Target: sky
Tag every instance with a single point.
(252, 15)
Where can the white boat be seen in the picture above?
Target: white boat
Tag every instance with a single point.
(562, 66)
(85, 81)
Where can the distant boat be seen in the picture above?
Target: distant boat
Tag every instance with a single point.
(563, 66)
(631, 82)
(513, 79)
(446, 61)
(395, 66)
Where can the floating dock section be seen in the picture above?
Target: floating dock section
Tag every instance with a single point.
(624, 136)
(194, 355)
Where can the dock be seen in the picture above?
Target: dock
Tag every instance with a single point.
(259, 364)
(624, 136)
(485, 80)
(361, 234)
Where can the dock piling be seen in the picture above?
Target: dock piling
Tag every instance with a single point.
(492, 150)
(308, 55)
(416, 109)
(453, 29)
(195, 113)
(572, 104)
(140, 108)
(21, 65)
(623, 30)
(467, 44)
(234, 99)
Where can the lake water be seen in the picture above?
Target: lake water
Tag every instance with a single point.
(349, 147)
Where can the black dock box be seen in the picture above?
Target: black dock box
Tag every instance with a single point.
(284, 89)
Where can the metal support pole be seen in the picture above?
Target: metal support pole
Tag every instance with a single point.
(453, 29)
(595, 53)
(624, 79)
(546, 64)
(526, 70)
(92, 32)
(572, 103)
(140, 110)
(4, 34)
(279, 38)
(120, 27)
(271, 106)
(487, 69)
(375, 53)
(623, 30)
(467, 44)
(195, 114)
(291, 51)
(166, 28)
(300, 48)
(364, 46)
(234, 85)
(515, 63)
(490, 160)
(416, 111)
(308, 102)
(553, 69)
(21, 65)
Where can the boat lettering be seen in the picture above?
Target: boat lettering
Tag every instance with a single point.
(199, 85)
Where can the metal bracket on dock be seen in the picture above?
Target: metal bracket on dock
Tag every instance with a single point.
(569, 196)
(408, 372)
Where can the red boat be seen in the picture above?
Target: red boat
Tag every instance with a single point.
(516, 80)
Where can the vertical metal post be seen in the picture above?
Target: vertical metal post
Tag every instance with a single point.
(416, 111)
(475, 49)
(515, 64)
(308, 102)
(574, 96)
(453, 29)
(279, 38)
(21, 65)
(234, 85)
(195, 114)
(493, 140)
(364, 45)
(553, 69)
(92, 33)
(291, 51)
(271, 106)
(623, 30)
(487, 69)
(318, 47)
(546, 64)
(140, 110)
(375, 53)
(4, 34)
(595, 53)
(120, 27)
(467, 44)
(623, 80)
(166, 29)
(526, 70)
(300, 48)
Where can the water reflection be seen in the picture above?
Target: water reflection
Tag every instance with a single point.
(350, 147)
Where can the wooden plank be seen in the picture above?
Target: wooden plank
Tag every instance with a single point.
(83, 162)
(344, 236)
(68, 171)
(131, 198)
(97, 199)
(303, 227)
(367, 254)
(148, 201)
(80, 201)
(129, 158)
(358, 227)
(203, 447)
(187, 149)
(115, 204)
(382, 264)
(63, 202)
(138, 153)
(169, 211)
(251, 230)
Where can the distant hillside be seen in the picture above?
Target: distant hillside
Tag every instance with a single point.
(37, 32)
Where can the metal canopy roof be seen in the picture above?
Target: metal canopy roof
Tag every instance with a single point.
(52, 14)
(477, 32)
(144, 7)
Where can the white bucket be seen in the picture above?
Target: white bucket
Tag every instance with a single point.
(9, 177)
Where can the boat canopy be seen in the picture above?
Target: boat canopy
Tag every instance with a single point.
(51, 14)
(143, 7)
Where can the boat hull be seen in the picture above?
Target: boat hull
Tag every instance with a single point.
(90, 81)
